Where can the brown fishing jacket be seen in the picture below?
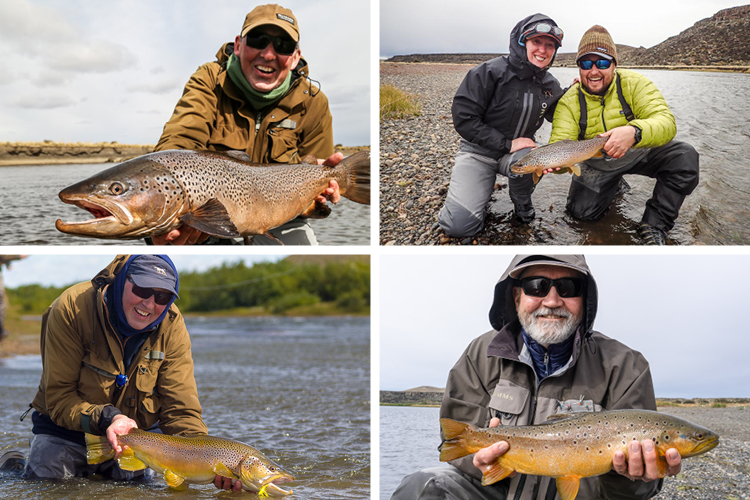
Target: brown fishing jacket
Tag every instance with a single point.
(81, 354)
(212, 114)
(495, 377)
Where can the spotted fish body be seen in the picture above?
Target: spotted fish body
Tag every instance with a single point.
(218, 193)
(564, 154)
(570, 448)
(198, 459)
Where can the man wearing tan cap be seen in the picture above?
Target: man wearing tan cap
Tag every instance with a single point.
(256, 97)
(628, 108)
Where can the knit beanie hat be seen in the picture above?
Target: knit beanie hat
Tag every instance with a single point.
(597, 40)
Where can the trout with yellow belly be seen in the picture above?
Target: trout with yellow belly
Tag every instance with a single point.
(197, 459)
(570, 448)
(565, 155)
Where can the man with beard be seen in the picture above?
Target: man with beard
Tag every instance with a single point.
(543, 358)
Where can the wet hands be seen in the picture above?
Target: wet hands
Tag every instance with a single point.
(227, 483)
(620, 140)
(332, 191)
(485, 457)
(522, 142)
(641, 462)
(120, 426)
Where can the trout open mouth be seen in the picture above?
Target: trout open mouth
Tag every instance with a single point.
(270, 485)
(106, 214)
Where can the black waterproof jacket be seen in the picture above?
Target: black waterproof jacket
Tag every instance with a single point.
(504, 98)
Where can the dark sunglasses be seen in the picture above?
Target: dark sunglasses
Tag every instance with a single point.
(542, 28)
(600, 63)
(283, 46)
(539, 286)
(161, 298)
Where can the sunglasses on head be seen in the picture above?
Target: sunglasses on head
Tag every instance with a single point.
(539, 286)
(600, 63)
(161, 298)
(283, 46)
(542, 28)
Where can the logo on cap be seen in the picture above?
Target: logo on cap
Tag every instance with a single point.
(602, 49)
(285, 18)
(161, 270)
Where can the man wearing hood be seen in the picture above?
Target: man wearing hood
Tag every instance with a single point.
(497, 110)
(116, 356)
(257, 98)
(543, 358)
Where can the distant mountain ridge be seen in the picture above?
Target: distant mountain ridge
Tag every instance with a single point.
(722, 40)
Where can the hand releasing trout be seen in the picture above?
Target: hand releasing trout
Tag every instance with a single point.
(565, 154)
(217, 193)
(569, 448)
(198, 459)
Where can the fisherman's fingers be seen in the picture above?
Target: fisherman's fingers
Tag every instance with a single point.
(650, 458)
(332, 160)
(674, 460)
(486, 456)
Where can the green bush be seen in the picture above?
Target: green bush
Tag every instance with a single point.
(292, 300)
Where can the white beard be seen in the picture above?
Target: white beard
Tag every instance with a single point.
(548, 334)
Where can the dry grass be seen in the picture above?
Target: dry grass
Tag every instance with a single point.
(395, 103)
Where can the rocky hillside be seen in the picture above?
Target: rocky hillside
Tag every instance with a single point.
(720, 40)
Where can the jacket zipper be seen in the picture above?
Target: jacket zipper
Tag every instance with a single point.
(603, 122)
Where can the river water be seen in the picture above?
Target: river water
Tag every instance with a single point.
(297, 389)
(30, 207)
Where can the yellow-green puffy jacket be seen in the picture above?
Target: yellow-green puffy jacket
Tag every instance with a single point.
(652, 115)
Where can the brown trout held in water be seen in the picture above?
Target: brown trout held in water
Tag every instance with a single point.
(197, 459)
(565, 154)
(217, 193)
(569, 448)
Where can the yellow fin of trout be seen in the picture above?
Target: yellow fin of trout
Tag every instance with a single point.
(576, 169)
(224, 471)
(495, 472)
(567, 487)
(661, 465)
(127, 460)
(98, 449)
(212, 218)
(536, 177)
(172, 479)
(453, 447)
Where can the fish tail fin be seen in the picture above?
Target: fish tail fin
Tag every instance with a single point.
(355, 181)
(567, 487)
(454, 445)
(495, 472)
(98, 449)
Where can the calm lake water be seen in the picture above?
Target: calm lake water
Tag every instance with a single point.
(31, 207)
(297, 389)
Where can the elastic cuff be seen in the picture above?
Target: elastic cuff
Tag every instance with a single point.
(109, 412)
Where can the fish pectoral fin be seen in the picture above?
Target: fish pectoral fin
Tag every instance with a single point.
(310, 160)
(212, 218)
(239, 155)
(567, 487)
(496, 472)
(576, 169)
(128, 461)
(536, 178)
(173, 480)
(661, 465)
(224, 471)
(316, 210)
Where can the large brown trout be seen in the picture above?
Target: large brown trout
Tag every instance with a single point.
(217, 193)
(565, 154)
(197, 459)
(569, 448)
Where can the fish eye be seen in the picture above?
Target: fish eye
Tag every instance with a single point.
(699, 435)
(116, 188)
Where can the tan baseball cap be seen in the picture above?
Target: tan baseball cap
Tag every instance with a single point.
(272, 14)
(597, 40)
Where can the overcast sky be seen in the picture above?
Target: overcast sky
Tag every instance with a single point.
(88, 71)
(683, 312)
(62, 270)
(481, 26)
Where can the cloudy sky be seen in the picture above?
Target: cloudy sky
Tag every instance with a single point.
(683, 312)
(62, 270)
(87, 71)
(480, 26)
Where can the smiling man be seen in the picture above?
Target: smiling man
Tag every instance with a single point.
(542, 358)
(257, 97)
(626, 107)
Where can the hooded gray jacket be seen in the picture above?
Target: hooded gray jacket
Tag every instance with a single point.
(495, 378)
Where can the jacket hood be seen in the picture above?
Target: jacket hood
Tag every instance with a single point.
(517, 56)
(503, 310)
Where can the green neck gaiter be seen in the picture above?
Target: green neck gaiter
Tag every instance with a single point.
(259, 100)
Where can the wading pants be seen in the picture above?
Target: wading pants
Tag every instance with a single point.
(447, 482)
(675, 168)
(472, 182)
(52, 457)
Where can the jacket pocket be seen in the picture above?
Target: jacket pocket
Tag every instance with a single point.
(97, 383)
(508, 402)
(283, 146)
(149, 401)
